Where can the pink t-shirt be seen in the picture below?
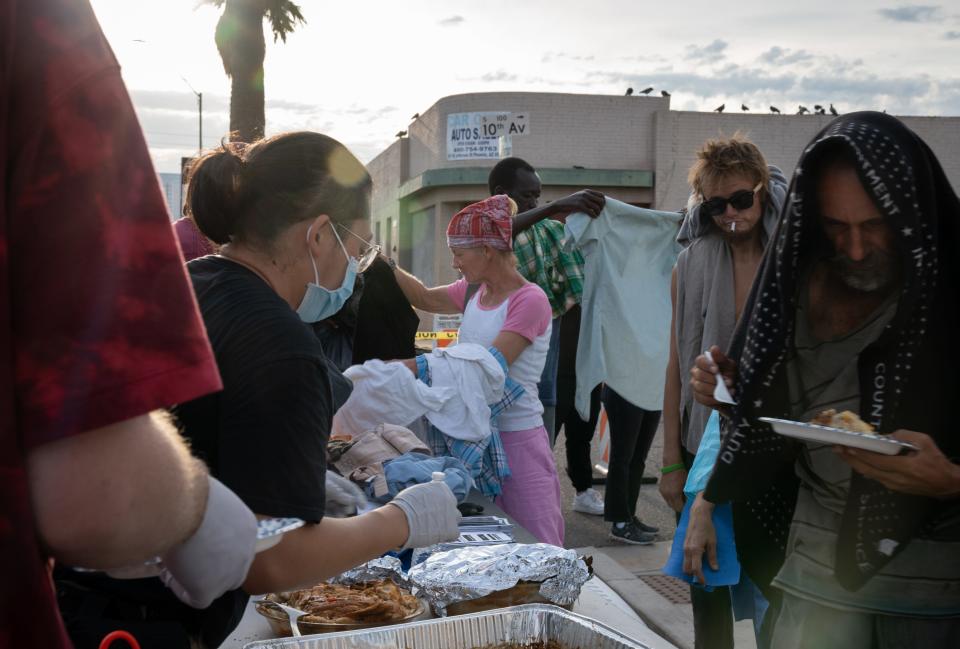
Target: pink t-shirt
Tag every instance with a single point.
(528, 310)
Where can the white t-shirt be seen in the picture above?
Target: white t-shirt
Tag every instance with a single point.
(526, 312)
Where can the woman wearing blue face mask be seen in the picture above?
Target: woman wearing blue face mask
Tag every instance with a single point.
(291, 214)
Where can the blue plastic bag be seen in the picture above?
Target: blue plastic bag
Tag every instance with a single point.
(705, 458)
(728, 573)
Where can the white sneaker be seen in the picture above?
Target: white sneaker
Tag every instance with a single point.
(588, 502)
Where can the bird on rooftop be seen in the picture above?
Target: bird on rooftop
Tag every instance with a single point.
(664, 93)
(819, 110)
(647, 91)
(833, 111)
(802, 110)
(774, 109)
(629, 92)
(400, 133)
(744, 107)
(817, 107)
(416, 116)
(719, 109)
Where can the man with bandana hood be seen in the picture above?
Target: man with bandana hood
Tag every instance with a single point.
(854, 308)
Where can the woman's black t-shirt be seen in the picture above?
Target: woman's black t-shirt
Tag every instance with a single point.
(265, 435)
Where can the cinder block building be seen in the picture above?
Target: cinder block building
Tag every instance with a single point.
(635, 149)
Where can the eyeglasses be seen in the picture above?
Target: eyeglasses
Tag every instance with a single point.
(741, 200)
(368, 252)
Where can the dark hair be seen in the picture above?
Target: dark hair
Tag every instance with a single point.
(504, 173)
(254, 192)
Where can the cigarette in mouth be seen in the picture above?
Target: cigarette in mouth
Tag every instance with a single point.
(733, 226)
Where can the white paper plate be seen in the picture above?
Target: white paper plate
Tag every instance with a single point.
(827, 435)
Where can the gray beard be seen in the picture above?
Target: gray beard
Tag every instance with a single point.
(875, 273)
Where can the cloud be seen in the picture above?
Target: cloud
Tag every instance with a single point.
(911, 13)
(451, 21)
(952, 36)
(644, 58)
(825, 79)
(780, 56)
(713, 51)
(550, 56)
(499, 75)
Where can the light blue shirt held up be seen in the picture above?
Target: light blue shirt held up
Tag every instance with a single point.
(625, 331)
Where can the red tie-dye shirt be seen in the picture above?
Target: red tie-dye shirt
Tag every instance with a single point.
(99, 323)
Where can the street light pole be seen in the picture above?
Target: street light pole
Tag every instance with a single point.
(199, 114)
(200, 121)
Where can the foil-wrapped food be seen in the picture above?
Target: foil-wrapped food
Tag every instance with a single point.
(464, 574)
(384, 568)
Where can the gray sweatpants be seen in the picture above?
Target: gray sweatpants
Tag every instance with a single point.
(804, 624)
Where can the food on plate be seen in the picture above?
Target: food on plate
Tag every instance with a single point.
(846, 420)
(379, 601)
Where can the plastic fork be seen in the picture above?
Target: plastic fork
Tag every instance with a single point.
(720, 392)
(293, 614)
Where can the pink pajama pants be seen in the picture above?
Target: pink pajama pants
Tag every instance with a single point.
(531, 495)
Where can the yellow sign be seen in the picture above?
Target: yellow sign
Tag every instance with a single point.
(436, 335)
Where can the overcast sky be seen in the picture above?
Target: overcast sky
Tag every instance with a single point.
(359, 70)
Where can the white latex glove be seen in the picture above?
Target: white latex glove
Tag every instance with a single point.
(216, 558)
(432, 514)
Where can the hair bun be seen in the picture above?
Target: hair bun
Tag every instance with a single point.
(215, 183)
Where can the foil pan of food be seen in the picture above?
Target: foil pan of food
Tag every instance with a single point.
(340, 607)
(532, 626)
(554, 574)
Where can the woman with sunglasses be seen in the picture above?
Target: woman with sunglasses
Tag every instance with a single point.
(735, 204)
(291, 214)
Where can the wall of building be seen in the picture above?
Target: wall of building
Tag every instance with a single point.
(173, 193)
(591, 131)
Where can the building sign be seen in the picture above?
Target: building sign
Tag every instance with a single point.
(478, 136)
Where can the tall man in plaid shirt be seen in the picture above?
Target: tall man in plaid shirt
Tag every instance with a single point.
(538, 245)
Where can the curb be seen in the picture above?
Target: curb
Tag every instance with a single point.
(662, 616)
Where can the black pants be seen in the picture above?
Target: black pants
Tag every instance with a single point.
(577, 433)
(712, 611)
(631, 432)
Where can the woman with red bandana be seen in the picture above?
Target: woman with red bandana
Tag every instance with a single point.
(511, 316)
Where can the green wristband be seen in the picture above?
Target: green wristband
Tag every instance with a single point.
(673, 467)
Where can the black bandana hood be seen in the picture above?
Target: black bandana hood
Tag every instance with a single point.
(906, 376)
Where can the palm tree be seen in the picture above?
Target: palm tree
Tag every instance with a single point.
(240, 41)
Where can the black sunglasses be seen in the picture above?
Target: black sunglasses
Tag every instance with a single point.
(741, 200)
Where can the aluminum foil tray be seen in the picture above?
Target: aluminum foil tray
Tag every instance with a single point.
(516, 624)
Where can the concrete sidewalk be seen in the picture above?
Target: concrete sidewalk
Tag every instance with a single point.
(633, 572)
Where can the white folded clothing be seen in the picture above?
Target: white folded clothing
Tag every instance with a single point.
(386, 393)
(477, 380)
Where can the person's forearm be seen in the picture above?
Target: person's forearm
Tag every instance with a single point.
(413, 289)
(317, 552)
(525, 220)
(671, 411)
(118, 495)
(672, 449)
